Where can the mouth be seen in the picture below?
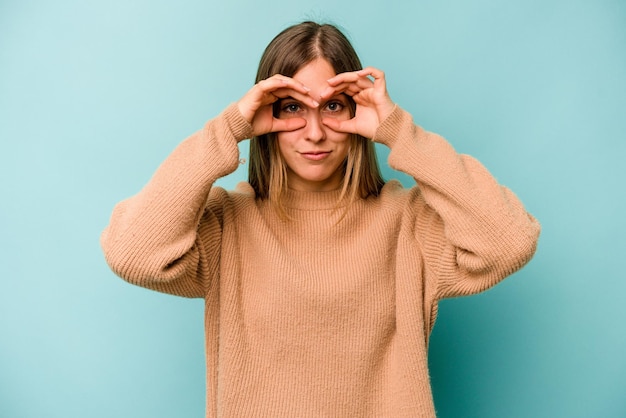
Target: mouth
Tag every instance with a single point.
(315, 155)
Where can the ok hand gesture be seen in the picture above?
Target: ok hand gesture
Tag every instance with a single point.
(368, 89)
(256, 105)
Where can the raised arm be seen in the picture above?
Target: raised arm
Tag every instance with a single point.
(152, 239)
(474, 232)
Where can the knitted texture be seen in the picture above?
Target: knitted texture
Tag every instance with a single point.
(318, 315)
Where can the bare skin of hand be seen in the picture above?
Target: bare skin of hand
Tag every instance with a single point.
(256, 104)
(368, 89)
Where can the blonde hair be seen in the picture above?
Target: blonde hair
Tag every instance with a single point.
(287, 53)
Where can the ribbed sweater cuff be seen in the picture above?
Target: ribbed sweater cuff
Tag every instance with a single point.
(220, 137)
(239, 126)
(390, 128)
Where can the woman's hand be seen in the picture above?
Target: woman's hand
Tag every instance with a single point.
(256, 105)
(373, 103)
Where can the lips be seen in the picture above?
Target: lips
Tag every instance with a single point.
(315, 155)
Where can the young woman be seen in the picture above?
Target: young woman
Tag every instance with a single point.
(320, 281)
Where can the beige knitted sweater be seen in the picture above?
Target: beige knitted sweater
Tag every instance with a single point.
(310, 317)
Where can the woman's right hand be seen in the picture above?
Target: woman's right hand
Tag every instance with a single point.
(256, 105)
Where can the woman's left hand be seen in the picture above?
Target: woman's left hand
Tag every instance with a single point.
(373, 103)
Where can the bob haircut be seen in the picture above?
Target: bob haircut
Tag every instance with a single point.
(287, 53)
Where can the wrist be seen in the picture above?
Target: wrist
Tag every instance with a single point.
(389, 128)
(240, 127)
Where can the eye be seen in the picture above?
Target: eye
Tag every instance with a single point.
(334, 107)
(291, 108)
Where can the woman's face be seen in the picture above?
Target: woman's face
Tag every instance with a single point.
(314, 154)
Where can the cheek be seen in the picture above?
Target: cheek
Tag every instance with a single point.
(284, 140)
(339, 138)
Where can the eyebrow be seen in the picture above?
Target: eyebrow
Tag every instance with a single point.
(288, 98)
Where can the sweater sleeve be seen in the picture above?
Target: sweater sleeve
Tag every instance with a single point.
(152, 237)
(473, 231)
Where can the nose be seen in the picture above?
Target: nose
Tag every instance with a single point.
(315, 129)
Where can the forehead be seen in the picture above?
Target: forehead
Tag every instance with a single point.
(315, 74)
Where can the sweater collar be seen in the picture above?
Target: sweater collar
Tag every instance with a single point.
(313, 200)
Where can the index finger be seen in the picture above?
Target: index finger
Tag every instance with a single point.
(348, 83)
(347, 77)
(371, 71)
(279, 87)
(374, 73)
(278, 81)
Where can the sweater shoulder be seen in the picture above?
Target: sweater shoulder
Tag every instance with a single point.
(394, 193)
(221, 200)
(394, 188)
(406, 204)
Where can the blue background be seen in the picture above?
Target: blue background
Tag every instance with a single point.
(94, 95)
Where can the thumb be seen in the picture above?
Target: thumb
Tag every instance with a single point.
(287, 125)
(344, 126)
